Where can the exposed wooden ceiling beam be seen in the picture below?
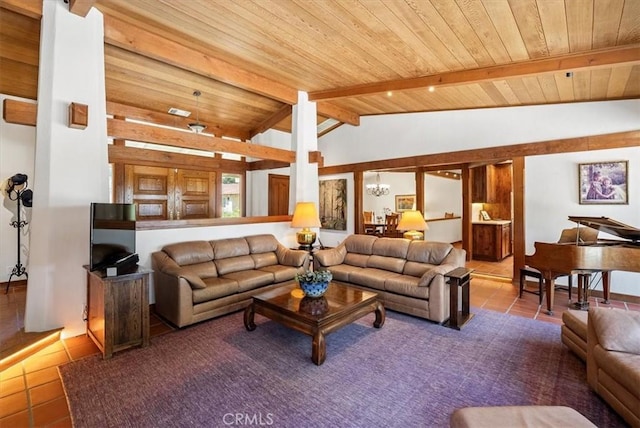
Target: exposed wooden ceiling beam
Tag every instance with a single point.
(19, 112)
(30, 8)
(166, 119)
(169, 137)
(81, 7)
(566, 145)
(620, 55)
(281, 114)
(142, 42)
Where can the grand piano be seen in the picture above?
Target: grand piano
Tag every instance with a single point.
(585, 258)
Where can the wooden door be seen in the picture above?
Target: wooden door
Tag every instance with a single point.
(278, 194)
(195, 194)
(151, 189)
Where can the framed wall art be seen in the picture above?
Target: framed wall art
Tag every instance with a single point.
(333, 204)
(405, 203)
(603, 182)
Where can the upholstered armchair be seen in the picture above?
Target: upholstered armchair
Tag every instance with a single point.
(613, 359)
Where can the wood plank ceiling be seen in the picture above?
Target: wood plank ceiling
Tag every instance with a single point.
(355, 57)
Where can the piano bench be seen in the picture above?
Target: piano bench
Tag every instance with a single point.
(533, 273)
(573, 332)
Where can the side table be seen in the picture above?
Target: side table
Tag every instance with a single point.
(118, 310)
(459, 281)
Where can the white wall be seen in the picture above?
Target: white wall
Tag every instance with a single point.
(552, 196)
(17, 150)
(548, 201)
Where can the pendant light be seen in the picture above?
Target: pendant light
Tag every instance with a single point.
(197, 127)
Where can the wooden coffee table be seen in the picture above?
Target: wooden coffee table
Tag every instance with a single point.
(340, 305)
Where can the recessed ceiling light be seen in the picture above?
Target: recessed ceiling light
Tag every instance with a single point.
(432, 88)
(389, 93)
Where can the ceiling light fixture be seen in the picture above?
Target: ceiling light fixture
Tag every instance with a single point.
(196, 126)
(432, 88)
(378, 189)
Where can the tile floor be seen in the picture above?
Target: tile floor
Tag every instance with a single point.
(31, 393)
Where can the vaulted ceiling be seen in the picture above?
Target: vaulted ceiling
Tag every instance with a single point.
(355, 57)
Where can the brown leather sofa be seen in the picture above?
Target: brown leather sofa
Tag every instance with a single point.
(613, 359)
(198, 280)
(407, 275)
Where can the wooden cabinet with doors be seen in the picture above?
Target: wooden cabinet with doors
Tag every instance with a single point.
(491, 240)
(483, 184)
(169, 193)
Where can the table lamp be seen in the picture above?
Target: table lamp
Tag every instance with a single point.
(305, 216)
(413, 222)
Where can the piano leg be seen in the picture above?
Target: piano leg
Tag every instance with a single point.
(550, 289)
(584, 279)
(606, 278)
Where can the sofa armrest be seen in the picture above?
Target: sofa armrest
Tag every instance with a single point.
(174, 298)
(330, 256)
(428, 276)
(295, 258)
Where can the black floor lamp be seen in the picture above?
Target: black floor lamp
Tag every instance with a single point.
(17, 191)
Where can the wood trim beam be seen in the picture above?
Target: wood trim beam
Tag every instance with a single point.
(280, 115)
(519, 220)
(30, 8)
(19, 112)
(119, 154)
(169, 137)
(81, 7)
(358, 205)
(142, 42)
(166, 119)
(619, 55)
(566, 145)
(266, 164)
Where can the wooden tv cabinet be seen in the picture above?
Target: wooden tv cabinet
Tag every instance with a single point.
(118, 310)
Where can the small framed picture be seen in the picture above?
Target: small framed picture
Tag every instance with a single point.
(405, 203)
(485, 215)
(603, 182)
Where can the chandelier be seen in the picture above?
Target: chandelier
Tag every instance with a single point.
(378, 189)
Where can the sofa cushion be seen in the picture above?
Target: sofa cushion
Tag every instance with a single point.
(250, 279)
(355, 259)
(188, 253)
(262, 243)
(370, 277)
(282, 273)
(617, 329)
(234, 264)
(406, 285)
(360, 244)
(416, 269)
(428, 252)
(231, 247)
(392, 264)
(342, 272)
(264, 259)
(203, 270)
(391, 247)
(622, 367)
(215, 288)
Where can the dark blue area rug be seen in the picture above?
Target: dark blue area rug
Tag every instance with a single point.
(409, 373)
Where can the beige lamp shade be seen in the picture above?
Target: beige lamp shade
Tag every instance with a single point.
(413, 222)
(305, 216)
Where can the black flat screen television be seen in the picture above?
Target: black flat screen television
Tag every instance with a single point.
(113, 235)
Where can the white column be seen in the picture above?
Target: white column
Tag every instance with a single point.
(71, 168)
(304, 139)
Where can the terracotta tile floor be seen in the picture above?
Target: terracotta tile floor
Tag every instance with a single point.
(31, 393)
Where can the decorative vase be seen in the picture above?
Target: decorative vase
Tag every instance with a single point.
(314, 305)
(314, 289)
